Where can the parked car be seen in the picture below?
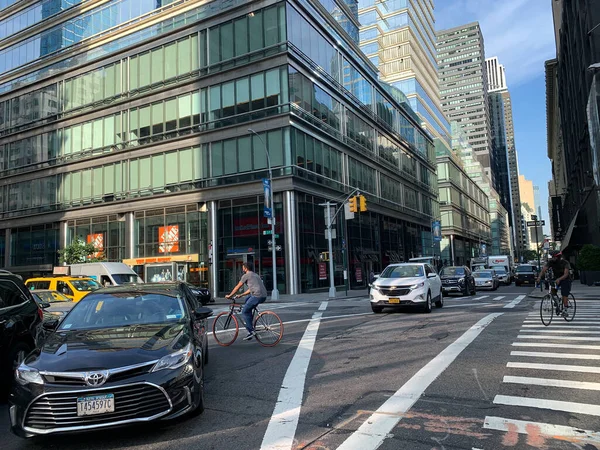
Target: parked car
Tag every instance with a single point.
(457, 279)
(407, 284)
(503, 276)
(525, 274)
(20, 326)
(54, 304)
(73, 287)
(486, 279)
(134, 354)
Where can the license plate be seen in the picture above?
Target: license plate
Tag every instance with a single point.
(394, 300)
(98, 404)
(525, 282)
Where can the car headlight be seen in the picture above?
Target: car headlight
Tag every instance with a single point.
(461, 280)
(174, 360)
(488, 282)
(417, 286)
(26, 375)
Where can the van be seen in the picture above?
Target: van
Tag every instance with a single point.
(106, 273)
(73, 287)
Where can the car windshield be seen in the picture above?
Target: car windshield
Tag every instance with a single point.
(452, 271)
(85, 285)
(407, 271)
(51, 297)
(120, 309)
(483, 274)
(501, 271)
(525, 269)
(122, 278)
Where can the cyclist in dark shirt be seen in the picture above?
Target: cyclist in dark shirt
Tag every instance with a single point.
(561, 270)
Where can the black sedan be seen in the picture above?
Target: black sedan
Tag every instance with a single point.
(122, 355)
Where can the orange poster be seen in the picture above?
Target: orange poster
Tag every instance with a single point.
(98, 241)
(168, 239)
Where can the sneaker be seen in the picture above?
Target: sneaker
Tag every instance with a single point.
(250, 336)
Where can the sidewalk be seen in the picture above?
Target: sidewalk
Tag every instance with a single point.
(316, 297)
(578, 290)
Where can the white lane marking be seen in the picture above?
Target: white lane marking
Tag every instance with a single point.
(556, 355)
(284, 421)
(479, 298)
(557, 338)
(462, 305)
(323, 306)
(371, 434)
(546, 429)
(500, 297)
(556, 405)
(553, 383)
(557, 367)
(549, 345)
(515, 302)
(551, 331)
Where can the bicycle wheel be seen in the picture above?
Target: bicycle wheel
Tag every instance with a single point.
(268, 328)
(572, 309)
(225, 328)
(546, 310)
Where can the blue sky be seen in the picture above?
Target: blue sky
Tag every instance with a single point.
(521, 34)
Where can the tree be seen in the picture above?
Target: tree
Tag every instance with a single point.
(80, 252)
(529, 255)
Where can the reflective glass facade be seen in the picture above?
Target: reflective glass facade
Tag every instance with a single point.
(159, 131)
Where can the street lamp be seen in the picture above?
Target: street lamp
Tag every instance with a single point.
(275, 292)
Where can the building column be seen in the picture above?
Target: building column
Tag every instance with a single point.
(63, 231)
(452, 247)
(7, 247)
(291, 243)
(213, 254)
(129, 235)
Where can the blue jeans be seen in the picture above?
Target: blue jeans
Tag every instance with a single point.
(248, 310)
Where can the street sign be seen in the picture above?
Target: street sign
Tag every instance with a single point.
(536, 223)
(269, 233)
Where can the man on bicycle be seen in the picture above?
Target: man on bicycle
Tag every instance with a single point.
(257, 294)
(562, 271)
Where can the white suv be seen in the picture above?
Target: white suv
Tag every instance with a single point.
(407, 284)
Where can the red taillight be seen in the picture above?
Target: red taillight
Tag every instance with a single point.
(40, 313)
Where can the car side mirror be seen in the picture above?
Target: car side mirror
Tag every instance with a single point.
(432, 275)
(203, 313)
(375, 276)
(44, 305)
(50, 325)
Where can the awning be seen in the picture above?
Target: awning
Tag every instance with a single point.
(565, 241)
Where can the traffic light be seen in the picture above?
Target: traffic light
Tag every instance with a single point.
(324, 256)
(353, 204)
(363, 203)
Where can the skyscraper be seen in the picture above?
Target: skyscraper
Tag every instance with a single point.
(399, 38)
(505, 152)
(464, 88)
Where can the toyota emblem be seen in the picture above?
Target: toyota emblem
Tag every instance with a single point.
(95, 379)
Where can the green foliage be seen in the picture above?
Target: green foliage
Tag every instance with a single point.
(80, 252)
(589, 258)
(530, 255)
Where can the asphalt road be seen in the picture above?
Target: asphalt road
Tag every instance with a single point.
(397, 380)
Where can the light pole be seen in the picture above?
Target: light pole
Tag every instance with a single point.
(275, 292)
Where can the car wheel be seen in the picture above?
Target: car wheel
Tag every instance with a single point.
(199, 407)
(440, 302)
(427, 308)
(376, 309)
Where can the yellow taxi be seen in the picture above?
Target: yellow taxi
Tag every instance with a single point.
(75, 288)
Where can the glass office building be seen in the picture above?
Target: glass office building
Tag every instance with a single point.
(127, 123)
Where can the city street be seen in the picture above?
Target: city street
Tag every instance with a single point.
(476, 374)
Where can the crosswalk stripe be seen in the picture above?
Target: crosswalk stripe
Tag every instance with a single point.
(556, 405)
(515, 302)
(558, 338)
(563, 325)
(545, 429)
(556, 355)
(557, 367)
(551, 331)
(553, 383)
(500, 297)
(549, 345)
(479, 298)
